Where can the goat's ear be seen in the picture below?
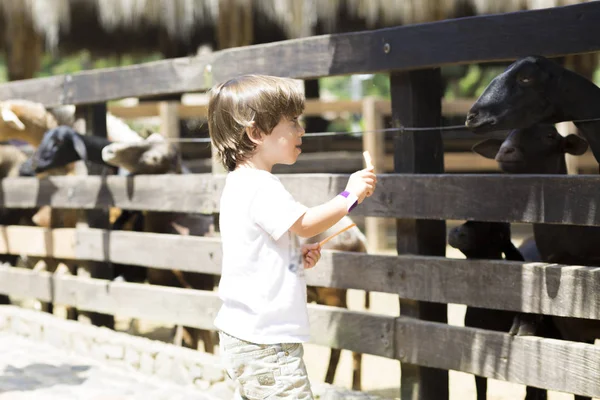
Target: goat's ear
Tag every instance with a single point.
(574, 144)
(11, 119)
(487, 148)
(79, 146)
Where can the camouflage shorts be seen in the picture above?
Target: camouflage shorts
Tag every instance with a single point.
(265, 371)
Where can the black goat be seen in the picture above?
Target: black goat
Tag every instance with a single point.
(535, 90)
(63, 145)
(541, 150)
(489, 240)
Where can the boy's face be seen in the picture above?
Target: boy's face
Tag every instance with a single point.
(282, 146)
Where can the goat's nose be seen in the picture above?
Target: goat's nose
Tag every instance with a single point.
(471, 116)
(509, 150)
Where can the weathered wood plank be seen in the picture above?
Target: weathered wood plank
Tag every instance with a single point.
(499, 197)
(186, 253)
(346, 162)
(50, 91)
(311, 107)
(397, 48)
(25, 283)
(486, 197)
(38, 242)
(159, 303)
(545, 363)
(362, 332)
(186, 74)
(330, 326)
(510, 285)
(194, 193)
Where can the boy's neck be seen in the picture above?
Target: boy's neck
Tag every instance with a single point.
(255, 162)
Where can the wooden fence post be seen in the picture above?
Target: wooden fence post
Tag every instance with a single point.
(374, 143)
(416, 102)
(94, 119)
(169, 120)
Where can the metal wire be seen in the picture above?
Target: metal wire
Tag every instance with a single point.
(324, 134)
(355, 133)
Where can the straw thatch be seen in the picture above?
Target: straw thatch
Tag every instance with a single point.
(178, 27)
(181, 19)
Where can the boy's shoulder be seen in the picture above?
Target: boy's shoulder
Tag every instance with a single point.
(252, 176)
(247, 183)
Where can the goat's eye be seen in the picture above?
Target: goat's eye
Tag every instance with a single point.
(524, 80)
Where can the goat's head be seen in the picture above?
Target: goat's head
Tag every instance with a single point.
(59, 147)
(539, 149)
(480, 239)
(521, 96)
(152, 156)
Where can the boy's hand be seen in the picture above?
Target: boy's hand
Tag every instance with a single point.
(311, 253)
(362, 183)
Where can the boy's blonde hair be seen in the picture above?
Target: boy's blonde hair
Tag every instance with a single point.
(235, 104)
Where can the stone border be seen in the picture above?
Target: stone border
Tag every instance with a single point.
(183, 366)
(179, 365)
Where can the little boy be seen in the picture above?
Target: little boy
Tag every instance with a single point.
(253, 124)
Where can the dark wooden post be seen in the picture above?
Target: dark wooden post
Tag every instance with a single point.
(94, 117)
(416, 102)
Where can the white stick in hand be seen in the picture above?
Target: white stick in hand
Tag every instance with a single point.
(367, 157)
(369, 163)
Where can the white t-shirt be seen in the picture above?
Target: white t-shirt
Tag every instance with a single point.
(262, 281)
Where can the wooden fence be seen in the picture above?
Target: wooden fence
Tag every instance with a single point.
(418, 194)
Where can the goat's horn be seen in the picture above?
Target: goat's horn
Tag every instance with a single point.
(11, 119)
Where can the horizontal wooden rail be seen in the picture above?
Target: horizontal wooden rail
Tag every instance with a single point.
(398, 48)
(496, 355)
(544, 363)
(312, 107)
(349, 161)
(365, 332)
(558, 199)
(529, 287)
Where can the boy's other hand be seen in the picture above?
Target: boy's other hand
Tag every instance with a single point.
(362, 183)
(311, 253)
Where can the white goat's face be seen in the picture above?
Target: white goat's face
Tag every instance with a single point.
(143, 157)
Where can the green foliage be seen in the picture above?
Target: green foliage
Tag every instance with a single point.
(339, 86)
(378, 85)
(340, 125)
(52, 65)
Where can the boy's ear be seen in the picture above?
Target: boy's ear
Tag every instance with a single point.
(254, 134)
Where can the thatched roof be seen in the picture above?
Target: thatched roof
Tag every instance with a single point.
(138, 25)
(501, 6)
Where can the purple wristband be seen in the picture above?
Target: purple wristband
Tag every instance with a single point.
(345, 194)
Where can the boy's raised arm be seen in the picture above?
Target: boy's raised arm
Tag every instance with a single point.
(319, 218)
